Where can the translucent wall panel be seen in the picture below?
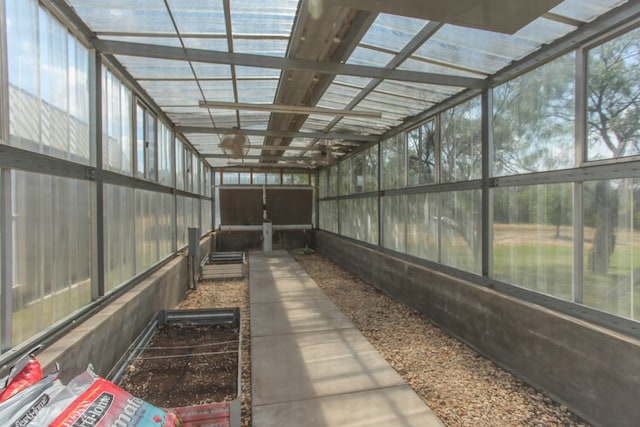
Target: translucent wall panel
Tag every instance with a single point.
(180, 160)
(613, 89)
(205, 208)
(533, 120)
(461, 142)
(119, 229)
(333, 181)
(323, 183)
(393, 162)
(48, 84)
(116, 125)
(188, 216)
(461, 230)
(328, 215)
(52, 254)
(533, 237)
(422, 225)
(147, 225)
(394, 222)
(344, 168)
(359, 219)
(611, 246)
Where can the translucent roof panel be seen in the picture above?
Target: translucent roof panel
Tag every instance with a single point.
(218, 90)
(392, 32)
(585, 11)
(207, 43)
(370, 57)
(254, 120)
(174, 92)
(473, 49)
(125, 16)
(359, 82)
(416, 92)
(158, 41)
(338, 96)
(543, 31)
(150, 68)
(211, 71)
(255, 72)
(269, 47)
(257, 91)
(198, 16)
(425, 66)
(272, 17)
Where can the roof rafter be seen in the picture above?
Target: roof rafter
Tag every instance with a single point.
(262, 61)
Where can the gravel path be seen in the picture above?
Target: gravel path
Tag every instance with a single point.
(461, 387)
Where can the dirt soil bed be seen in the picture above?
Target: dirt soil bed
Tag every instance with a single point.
(186, 364)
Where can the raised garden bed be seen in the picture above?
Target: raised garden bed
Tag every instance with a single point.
(187, 360)
(223, 265)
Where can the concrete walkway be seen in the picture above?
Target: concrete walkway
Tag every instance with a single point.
(310, 366)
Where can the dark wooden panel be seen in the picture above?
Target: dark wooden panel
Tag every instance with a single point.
(285, 206)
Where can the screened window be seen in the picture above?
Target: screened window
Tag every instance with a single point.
(460, 230)
(328, 215)
(359, 219)
(422, 225)
(421, 151)
(461, 142)
(394, 212)
(533, 120)
(613, 109)
(533, 237)
(611, 246)
(371, 169)
(393, 162)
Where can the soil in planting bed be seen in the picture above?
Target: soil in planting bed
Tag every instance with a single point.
(185, 365)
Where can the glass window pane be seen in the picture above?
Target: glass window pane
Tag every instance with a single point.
(611, 246)
(422, 225)
(371, 169)
(393, 162)
(460, 230)
(328, 215)
(394, 222)
(613, 89)
(533, 237)
(461, 142)
(421, 151)
(533, 120)
(359, 219)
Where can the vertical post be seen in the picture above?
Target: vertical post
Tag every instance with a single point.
(6, 207)
(95, 102)
(580, 156)
(487, 158)
(6, 260)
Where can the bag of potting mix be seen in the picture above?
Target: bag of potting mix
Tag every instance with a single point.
(91, 401)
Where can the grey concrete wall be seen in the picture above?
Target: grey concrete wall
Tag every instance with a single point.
(593, 371)
(105, 337)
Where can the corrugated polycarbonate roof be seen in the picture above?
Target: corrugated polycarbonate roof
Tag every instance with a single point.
(279, 51)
